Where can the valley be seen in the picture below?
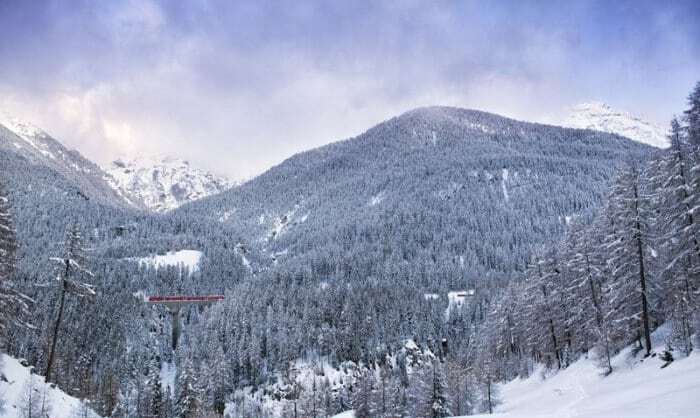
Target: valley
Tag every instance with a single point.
(349, 209)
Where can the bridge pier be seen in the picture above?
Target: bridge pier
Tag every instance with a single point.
(174, 303)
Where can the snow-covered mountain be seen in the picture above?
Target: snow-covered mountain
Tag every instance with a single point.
(162, 184)
(37, 146)
(601, 117)
(434, 163)
(32, 149)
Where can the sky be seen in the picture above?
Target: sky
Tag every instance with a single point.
(238, 86)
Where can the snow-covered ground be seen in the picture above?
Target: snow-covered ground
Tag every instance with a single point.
(457, 299)
(184, 259)
(306, 372)
(377, 198)
(168, 371)
(17, 384)
(638, 388)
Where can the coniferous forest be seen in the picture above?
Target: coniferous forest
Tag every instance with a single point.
(406, 272)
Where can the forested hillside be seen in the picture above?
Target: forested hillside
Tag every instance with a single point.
(420, 259)
(458, 192)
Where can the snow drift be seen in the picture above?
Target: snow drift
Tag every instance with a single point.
(18, 386)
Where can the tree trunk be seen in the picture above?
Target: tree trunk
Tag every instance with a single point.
(551, 328)
(642, 276)
(57, 325)
(488, 391)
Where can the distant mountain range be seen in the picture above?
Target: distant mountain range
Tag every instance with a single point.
(160, 184)
(154, 184)
(601, 117)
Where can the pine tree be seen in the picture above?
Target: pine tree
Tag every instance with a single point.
(188, 399)
(13, 304)
(440, 402)
(168, 408)
(505, 330)
(630, 287)
(486, 373)
(430, 392)
(29, 402)
(543, 309)
(397, 402)
(584, 292)
(72, 264)
(673, 184)
(692, 116)
(217, 385)
(362, 395)
(156, 407)
(310, 404)
(383, 387)
(456, 376)
(8, 240)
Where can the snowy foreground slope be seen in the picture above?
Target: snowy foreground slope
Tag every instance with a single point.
(638, 388)
(16, 383)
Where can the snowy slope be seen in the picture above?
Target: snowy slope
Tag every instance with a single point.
(38, 146)
(157, 184)
(188, 259)
(26, 144)
(601, 117)
(25, 130)
(639, 389)
(15, 384)
(163, 184)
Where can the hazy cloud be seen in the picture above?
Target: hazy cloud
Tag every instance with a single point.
(239, 86)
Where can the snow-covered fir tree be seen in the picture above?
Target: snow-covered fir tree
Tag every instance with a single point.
(188, 402)
(673, 182)
(691, 116)
(396, 400)
(154, 391)
(584, 292)
(363, 395)
(8, 239)
(71, 270)
(544, 310)
(13, 304)
(430, 392)
(630, 242)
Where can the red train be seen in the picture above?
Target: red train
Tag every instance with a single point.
(185, 299)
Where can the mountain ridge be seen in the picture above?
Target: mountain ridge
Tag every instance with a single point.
(35, 146)
(156, 184)
(163, 183)
(443, 153)
(602, 117)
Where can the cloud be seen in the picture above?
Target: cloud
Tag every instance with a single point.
(239, 86)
